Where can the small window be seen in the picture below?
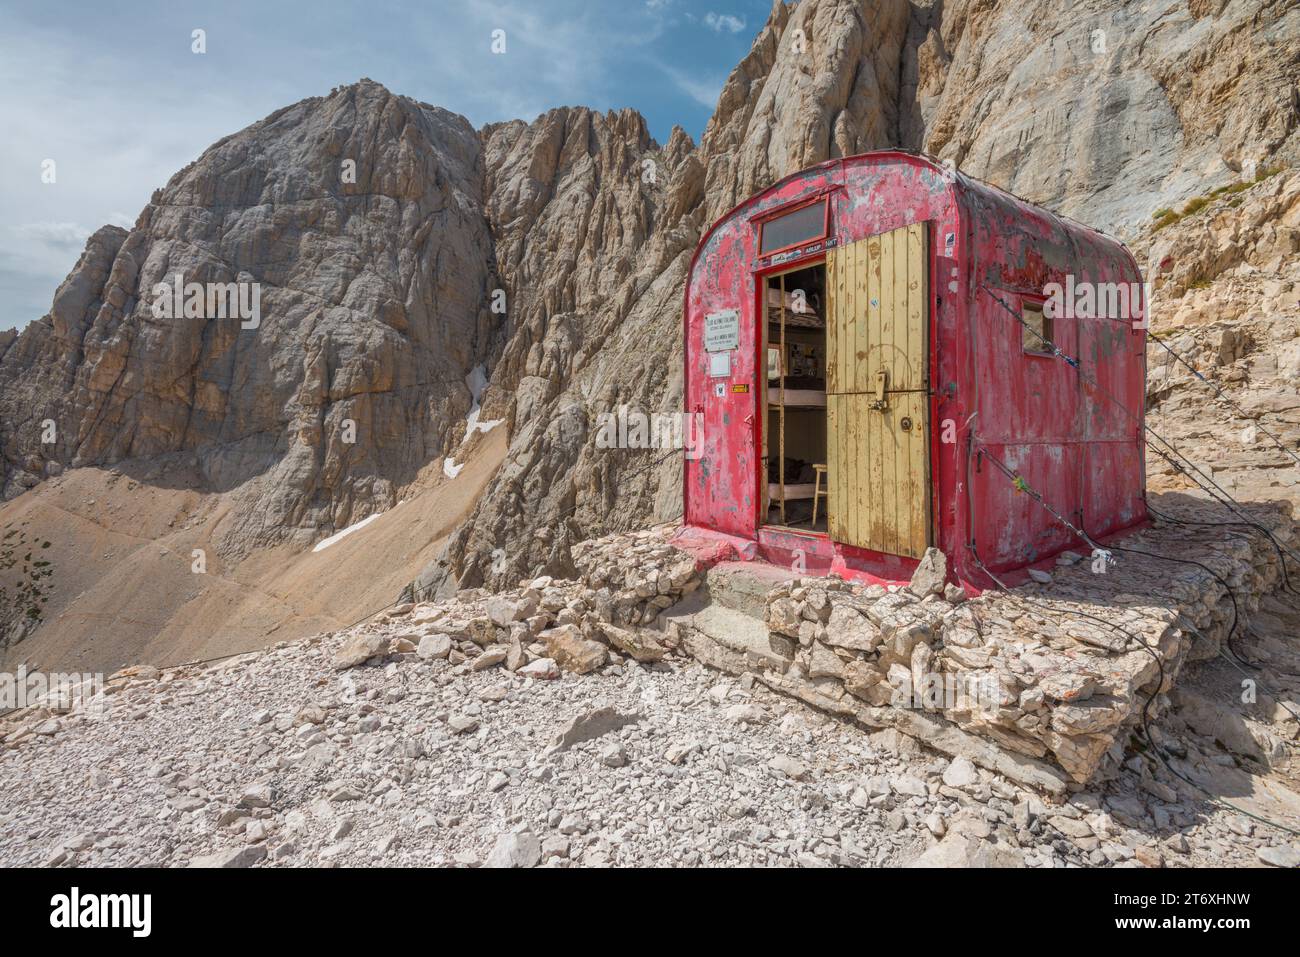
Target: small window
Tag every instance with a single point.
(1036, 335)
(801, 226)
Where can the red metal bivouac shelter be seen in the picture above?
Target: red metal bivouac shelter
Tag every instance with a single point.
(868, 340)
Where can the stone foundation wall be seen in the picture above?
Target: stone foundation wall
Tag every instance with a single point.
(1041, 684)
(1044, 674)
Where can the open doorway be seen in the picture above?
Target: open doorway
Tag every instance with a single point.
(794, 479)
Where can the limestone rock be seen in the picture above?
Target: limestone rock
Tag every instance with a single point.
(848, 628)
(360, 649)
(434, 646)
(931, 574)
(789, 767)
(963, 850)
(232, 857)
(572, 652)
(960, 773)
(637, 644)
(515, 850)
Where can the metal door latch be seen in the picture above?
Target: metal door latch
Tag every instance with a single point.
(880, 403)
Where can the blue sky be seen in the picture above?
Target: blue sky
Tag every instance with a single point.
(115, 96)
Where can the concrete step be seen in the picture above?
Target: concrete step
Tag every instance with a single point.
(721, 636)
(733, 629)
(743, 586)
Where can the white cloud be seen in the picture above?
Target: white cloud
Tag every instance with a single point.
(723, 21)
(704, 90)
(112, 147)
(60, 235)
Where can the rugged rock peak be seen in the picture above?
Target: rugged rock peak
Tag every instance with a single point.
(822, 80)
(586, 179)
(593, 222)
(573, 199)
(1105, 113)
(353, 225)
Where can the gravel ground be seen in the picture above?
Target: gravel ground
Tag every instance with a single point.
(275, 758)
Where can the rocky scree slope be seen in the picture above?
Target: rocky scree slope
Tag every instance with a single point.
(527, 728)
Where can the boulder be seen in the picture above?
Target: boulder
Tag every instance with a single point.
(359, 649)
(231, 857)
(515, 850)
(635, 643)
(789, 767)
(504, 611)
(544, 669)
(783, 616)
(434, 646)
(490, 658)
(849, 628)
(824, 663)
(259, 795)
(960, 773)
(963, 850)
(931, 574)
(572, 652)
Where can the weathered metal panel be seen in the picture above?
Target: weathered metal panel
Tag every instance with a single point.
(1055, 424)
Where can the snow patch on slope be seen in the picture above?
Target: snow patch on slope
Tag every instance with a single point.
(339, 536)
(477, 382)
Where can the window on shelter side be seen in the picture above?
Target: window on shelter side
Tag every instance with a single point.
(1036, 335)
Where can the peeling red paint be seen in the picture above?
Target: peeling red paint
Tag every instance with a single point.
(1036, 414)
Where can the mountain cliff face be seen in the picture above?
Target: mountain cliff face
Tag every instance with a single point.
(378, 292)
(1105, 111)
(359, 218)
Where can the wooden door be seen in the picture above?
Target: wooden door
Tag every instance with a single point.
(877, 408)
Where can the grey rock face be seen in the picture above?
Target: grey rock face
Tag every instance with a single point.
(1106, 116)
(358, 216)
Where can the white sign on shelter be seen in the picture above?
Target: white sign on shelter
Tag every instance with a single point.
(722, 330)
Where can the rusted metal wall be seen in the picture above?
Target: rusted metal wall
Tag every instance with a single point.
(1078, 448)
